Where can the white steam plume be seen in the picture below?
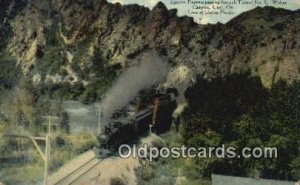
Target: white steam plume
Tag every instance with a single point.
(151, 70)
(180, 77)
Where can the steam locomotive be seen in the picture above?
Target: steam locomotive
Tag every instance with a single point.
(148, 113)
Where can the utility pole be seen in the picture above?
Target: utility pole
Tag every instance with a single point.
(99, 120)
(47, 145)
(44, 154)
(50, 123)
(47, 152)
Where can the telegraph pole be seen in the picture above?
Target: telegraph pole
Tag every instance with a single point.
(99, 120)
(47, 150)
(50, 123)
(47, 146)
(44, 154)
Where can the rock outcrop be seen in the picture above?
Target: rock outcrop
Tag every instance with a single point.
(264, 41)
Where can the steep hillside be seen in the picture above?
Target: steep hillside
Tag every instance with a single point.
(68, 40)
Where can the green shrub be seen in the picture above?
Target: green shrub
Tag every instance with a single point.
(117, 181)
(238, 111)
(147, 172)
(9, 72)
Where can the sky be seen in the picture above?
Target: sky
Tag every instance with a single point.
(213, 11)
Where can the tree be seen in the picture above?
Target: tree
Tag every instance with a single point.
(238, 111)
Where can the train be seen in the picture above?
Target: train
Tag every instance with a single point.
(149, 113)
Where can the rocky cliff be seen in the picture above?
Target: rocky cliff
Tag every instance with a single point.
(67, 35)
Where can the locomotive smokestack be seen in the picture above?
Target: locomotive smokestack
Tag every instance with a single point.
(138, 104)
(155, 111)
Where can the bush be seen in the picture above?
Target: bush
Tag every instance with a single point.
(237, 110)
(9, 72)
(117, 181)
(52, 60)
(82, 142)
(147, 172)
(20, 175)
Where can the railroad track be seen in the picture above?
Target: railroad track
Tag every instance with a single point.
(79, 172)
(76, 168)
